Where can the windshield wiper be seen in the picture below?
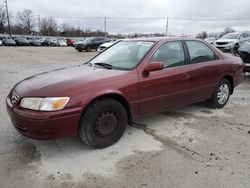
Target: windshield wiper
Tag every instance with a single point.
(88, 63)
(105, 65)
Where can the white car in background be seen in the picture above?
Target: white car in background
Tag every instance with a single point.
(62, 42)
(230, 40)
(106, 45)
(210, 40)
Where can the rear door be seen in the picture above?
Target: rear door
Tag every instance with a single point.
(168, 87)
(205, 70)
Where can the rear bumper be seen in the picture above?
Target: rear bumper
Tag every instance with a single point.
(45, 125)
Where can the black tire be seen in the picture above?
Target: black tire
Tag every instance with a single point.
(103, 123)
(79, 50)
(88, 49)
(216, 101)
(234, 49)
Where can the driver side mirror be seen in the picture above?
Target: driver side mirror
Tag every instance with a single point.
(154, 66)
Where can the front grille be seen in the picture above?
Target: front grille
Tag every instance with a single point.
(221, 43)
(20, 128)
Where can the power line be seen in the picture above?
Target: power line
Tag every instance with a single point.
(152, 18)
(210, 19)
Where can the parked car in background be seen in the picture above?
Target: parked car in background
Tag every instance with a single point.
(91, 43)
(70, 42)
(20, 41)
(1, 43)
(46, 41)
(97, 100)
(230, 40)
(105, 45)
(62, 42)
(244, 53)
(50, 42)
(210, 40)
(35, 41)
(8, 42)
(78, 41)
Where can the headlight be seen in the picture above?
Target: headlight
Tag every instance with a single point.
(44, 104)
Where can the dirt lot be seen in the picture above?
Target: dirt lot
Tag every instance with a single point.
(193, 146)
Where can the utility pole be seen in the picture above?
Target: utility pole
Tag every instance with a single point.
(8, 18)
(105, 26)
(39, 24)
(167, 28)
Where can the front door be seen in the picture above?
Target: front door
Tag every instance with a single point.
(168, 87)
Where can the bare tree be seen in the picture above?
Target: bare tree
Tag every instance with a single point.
(3, 19)
(48, 26)
(26, 20)
(202, 35)
(228, 30)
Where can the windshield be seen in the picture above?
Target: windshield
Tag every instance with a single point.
(88, 40)
(230, 36)
(22, 40)
(123, 55)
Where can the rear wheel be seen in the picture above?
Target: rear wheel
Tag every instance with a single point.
(221, 94)
(103, 123)
(88, 49)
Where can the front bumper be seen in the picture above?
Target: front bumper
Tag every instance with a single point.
(45, 125)
(225, 47)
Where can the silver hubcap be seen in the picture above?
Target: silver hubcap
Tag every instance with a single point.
(223, 94)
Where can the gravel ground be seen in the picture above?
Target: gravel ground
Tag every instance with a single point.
(192, 146)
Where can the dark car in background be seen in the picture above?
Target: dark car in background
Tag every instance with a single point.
(244, 53)
(21, 41)
(50, 42)
(8, 42)
(98, 99)
(91, 43)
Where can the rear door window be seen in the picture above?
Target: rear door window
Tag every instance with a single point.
(199, 52)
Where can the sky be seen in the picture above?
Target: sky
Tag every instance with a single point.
(75, 12)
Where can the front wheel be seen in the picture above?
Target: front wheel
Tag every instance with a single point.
(103, 123)
(221, 94)
(234, 50)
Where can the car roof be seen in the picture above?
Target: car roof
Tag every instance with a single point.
(158, 39)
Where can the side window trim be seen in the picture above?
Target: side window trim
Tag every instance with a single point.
(182, 44)
(188, 54)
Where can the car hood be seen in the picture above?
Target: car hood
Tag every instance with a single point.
(62, 81)
(107, 44)
(226, 40)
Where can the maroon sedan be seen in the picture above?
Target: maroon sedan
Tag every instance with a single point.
(97, 100)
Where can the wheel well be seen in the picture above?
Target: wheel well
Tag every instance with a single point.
(230, 79)
(121, 100)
